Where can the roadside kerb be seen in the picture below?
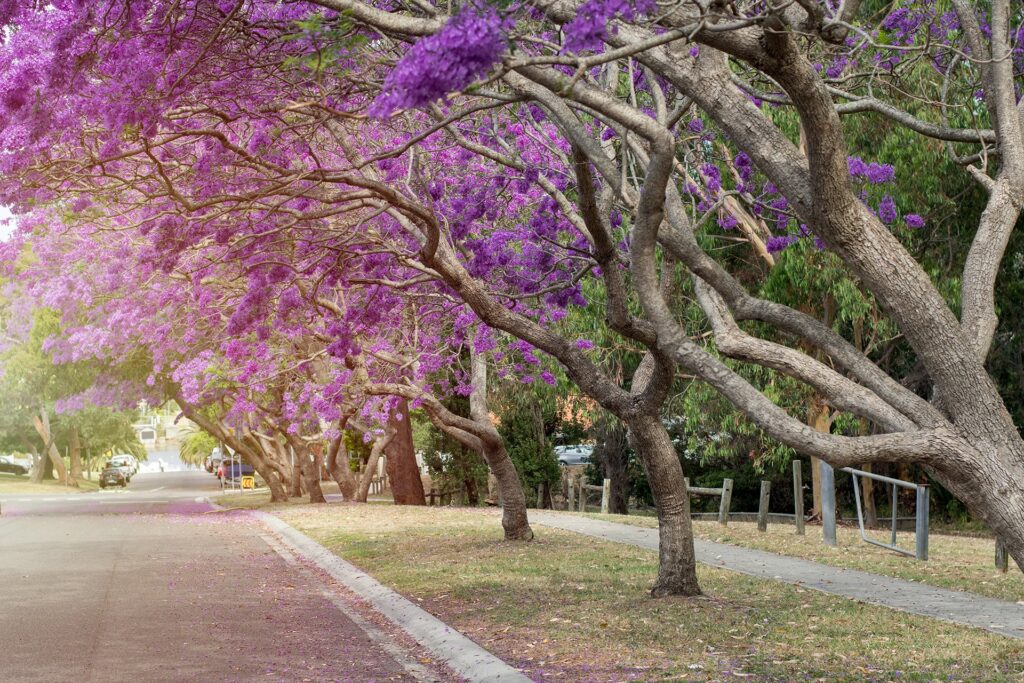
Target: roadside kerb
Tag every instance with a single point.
(461, 654)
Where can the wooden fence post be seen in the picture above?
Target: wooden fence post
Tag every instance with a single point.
(726, 502)
(762, 508)
(606, 496)
(583, 496)
(572, 494)
(798, 496)
(1002, 557)
(540, 494)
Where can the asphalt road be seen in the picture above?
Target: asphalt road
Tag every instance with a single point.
(151, 584)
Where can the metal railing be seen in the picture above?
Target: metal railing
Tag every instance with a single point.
(921, 514)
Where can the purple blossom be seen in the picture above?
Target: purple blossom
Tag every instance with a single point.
(913, 220)
(465, 49)
(887, 210)
(695, 126)
(780, 242)
(880, 173)
(589, 28)
(713, 177)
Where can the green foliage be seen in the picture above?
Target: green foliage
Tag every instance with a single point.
(196, 446)
(528, 422)
(452, 466)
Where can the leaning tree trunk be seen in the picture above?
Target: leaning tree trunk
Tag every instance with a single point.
(514, 518)
(262, 462)
(338, 468)
(403, 472)
(41, 467)
(677, 574)
(41, 421)
(380, 444)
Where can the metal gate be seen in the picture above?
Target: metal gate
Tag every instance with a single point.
(828, 492)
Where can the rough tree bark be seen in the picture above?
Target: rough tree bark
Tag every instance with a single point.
(41, 421)
(677, 573)
(338, 467)
(380, 445)
(75, 456)
(612, 454)
(248, 447)
(308, 468)
(42, 467)
(818, 419)
(403, 473)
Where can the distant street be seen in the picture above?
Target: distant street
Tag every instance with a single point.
(151, 584)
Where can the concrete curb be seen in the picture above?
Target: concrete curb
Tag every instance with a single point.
(462, 655)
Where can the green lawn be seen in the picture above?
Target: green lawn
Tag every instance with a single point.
(956, 562)
(569, 608)
(13, 484)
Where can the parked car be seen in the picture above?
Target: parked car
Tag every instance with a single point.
(128, 461)
(113, 476)
(232, 472)
(120, 464)
(574, 455)
(8, 465)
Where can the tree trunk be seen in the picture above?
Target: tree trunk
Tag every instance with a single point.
(296, 482)
(308, 466)
(42, 468)
(338, 467)
(261, 459)
(509, 487)
(406, 485)
(612, 454)
(42, 424)
(677, 571)
(514, 518)
(75, 453)
(868, 491)
(469, 487)
(493, 492)
(380, 444)
(818, 419)
(250, 448)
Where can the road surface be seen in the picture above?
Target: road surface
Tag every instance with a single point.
(151, 584)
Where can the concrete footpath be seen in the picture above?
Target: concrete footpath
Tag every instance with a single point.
(968, 609)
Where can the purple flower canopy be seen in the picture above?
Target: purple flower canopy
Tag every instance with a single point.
(464, 50)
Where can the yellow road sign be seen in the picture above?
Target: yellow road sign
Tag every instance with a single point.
(248, 482)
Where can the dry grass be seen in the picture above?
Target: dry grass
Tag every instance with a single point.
(20, 484)
(964, 563)
(570, 608)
